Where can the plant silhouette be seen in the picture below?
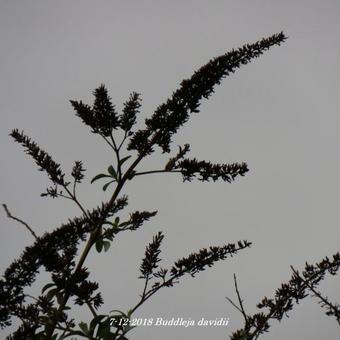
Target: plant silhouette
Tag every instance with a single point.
(47, 316)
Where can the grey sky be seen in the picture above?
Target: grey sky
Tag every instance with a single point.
(280, 114)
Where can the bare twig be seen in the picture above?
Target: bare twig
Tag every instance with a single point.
(240, 308)
(155, 172)
(9, 215)
(234, 304)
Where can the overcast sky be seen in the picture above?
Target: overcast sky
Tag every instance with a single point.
(280, 114)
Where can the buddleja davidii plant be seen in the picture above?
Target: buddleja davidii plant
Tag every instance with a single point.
(300, 286)
(46, 317)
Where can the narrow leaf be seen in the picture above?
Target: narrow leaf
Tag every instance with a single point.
(98, 177)
(112, 172)
(49, 285)
(96, 320)
(51, 293)
(123, 160)
(106, 245)
(83, 326)
(106, 185)
(99, 246)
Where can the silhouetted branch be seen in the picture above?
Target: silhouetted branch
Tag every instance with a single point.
(240, 308)
(161, 171)
(193, 264)
(41, 157)
(295, 290)
(9, 215)
(170, 116)
(205, 171)
(332, 309)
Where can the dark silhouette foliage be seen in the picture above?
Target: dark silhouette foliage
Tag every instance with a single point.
(297, 288)
(46, 316)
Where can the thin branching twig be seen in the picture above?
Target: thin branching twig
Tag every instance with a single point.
(9, 215)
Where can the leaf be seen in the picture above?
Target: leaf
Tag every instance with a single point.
(104, 330)
(123, 160)
(60, 298)
(51, 293)
(99, 246)
(98, 177)
(110, 223)
(118, 312)
(96, 320)
(62, 337)
(112, 172)
(49, 285)
(83, 326)
(106, 245)
(106, 185)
